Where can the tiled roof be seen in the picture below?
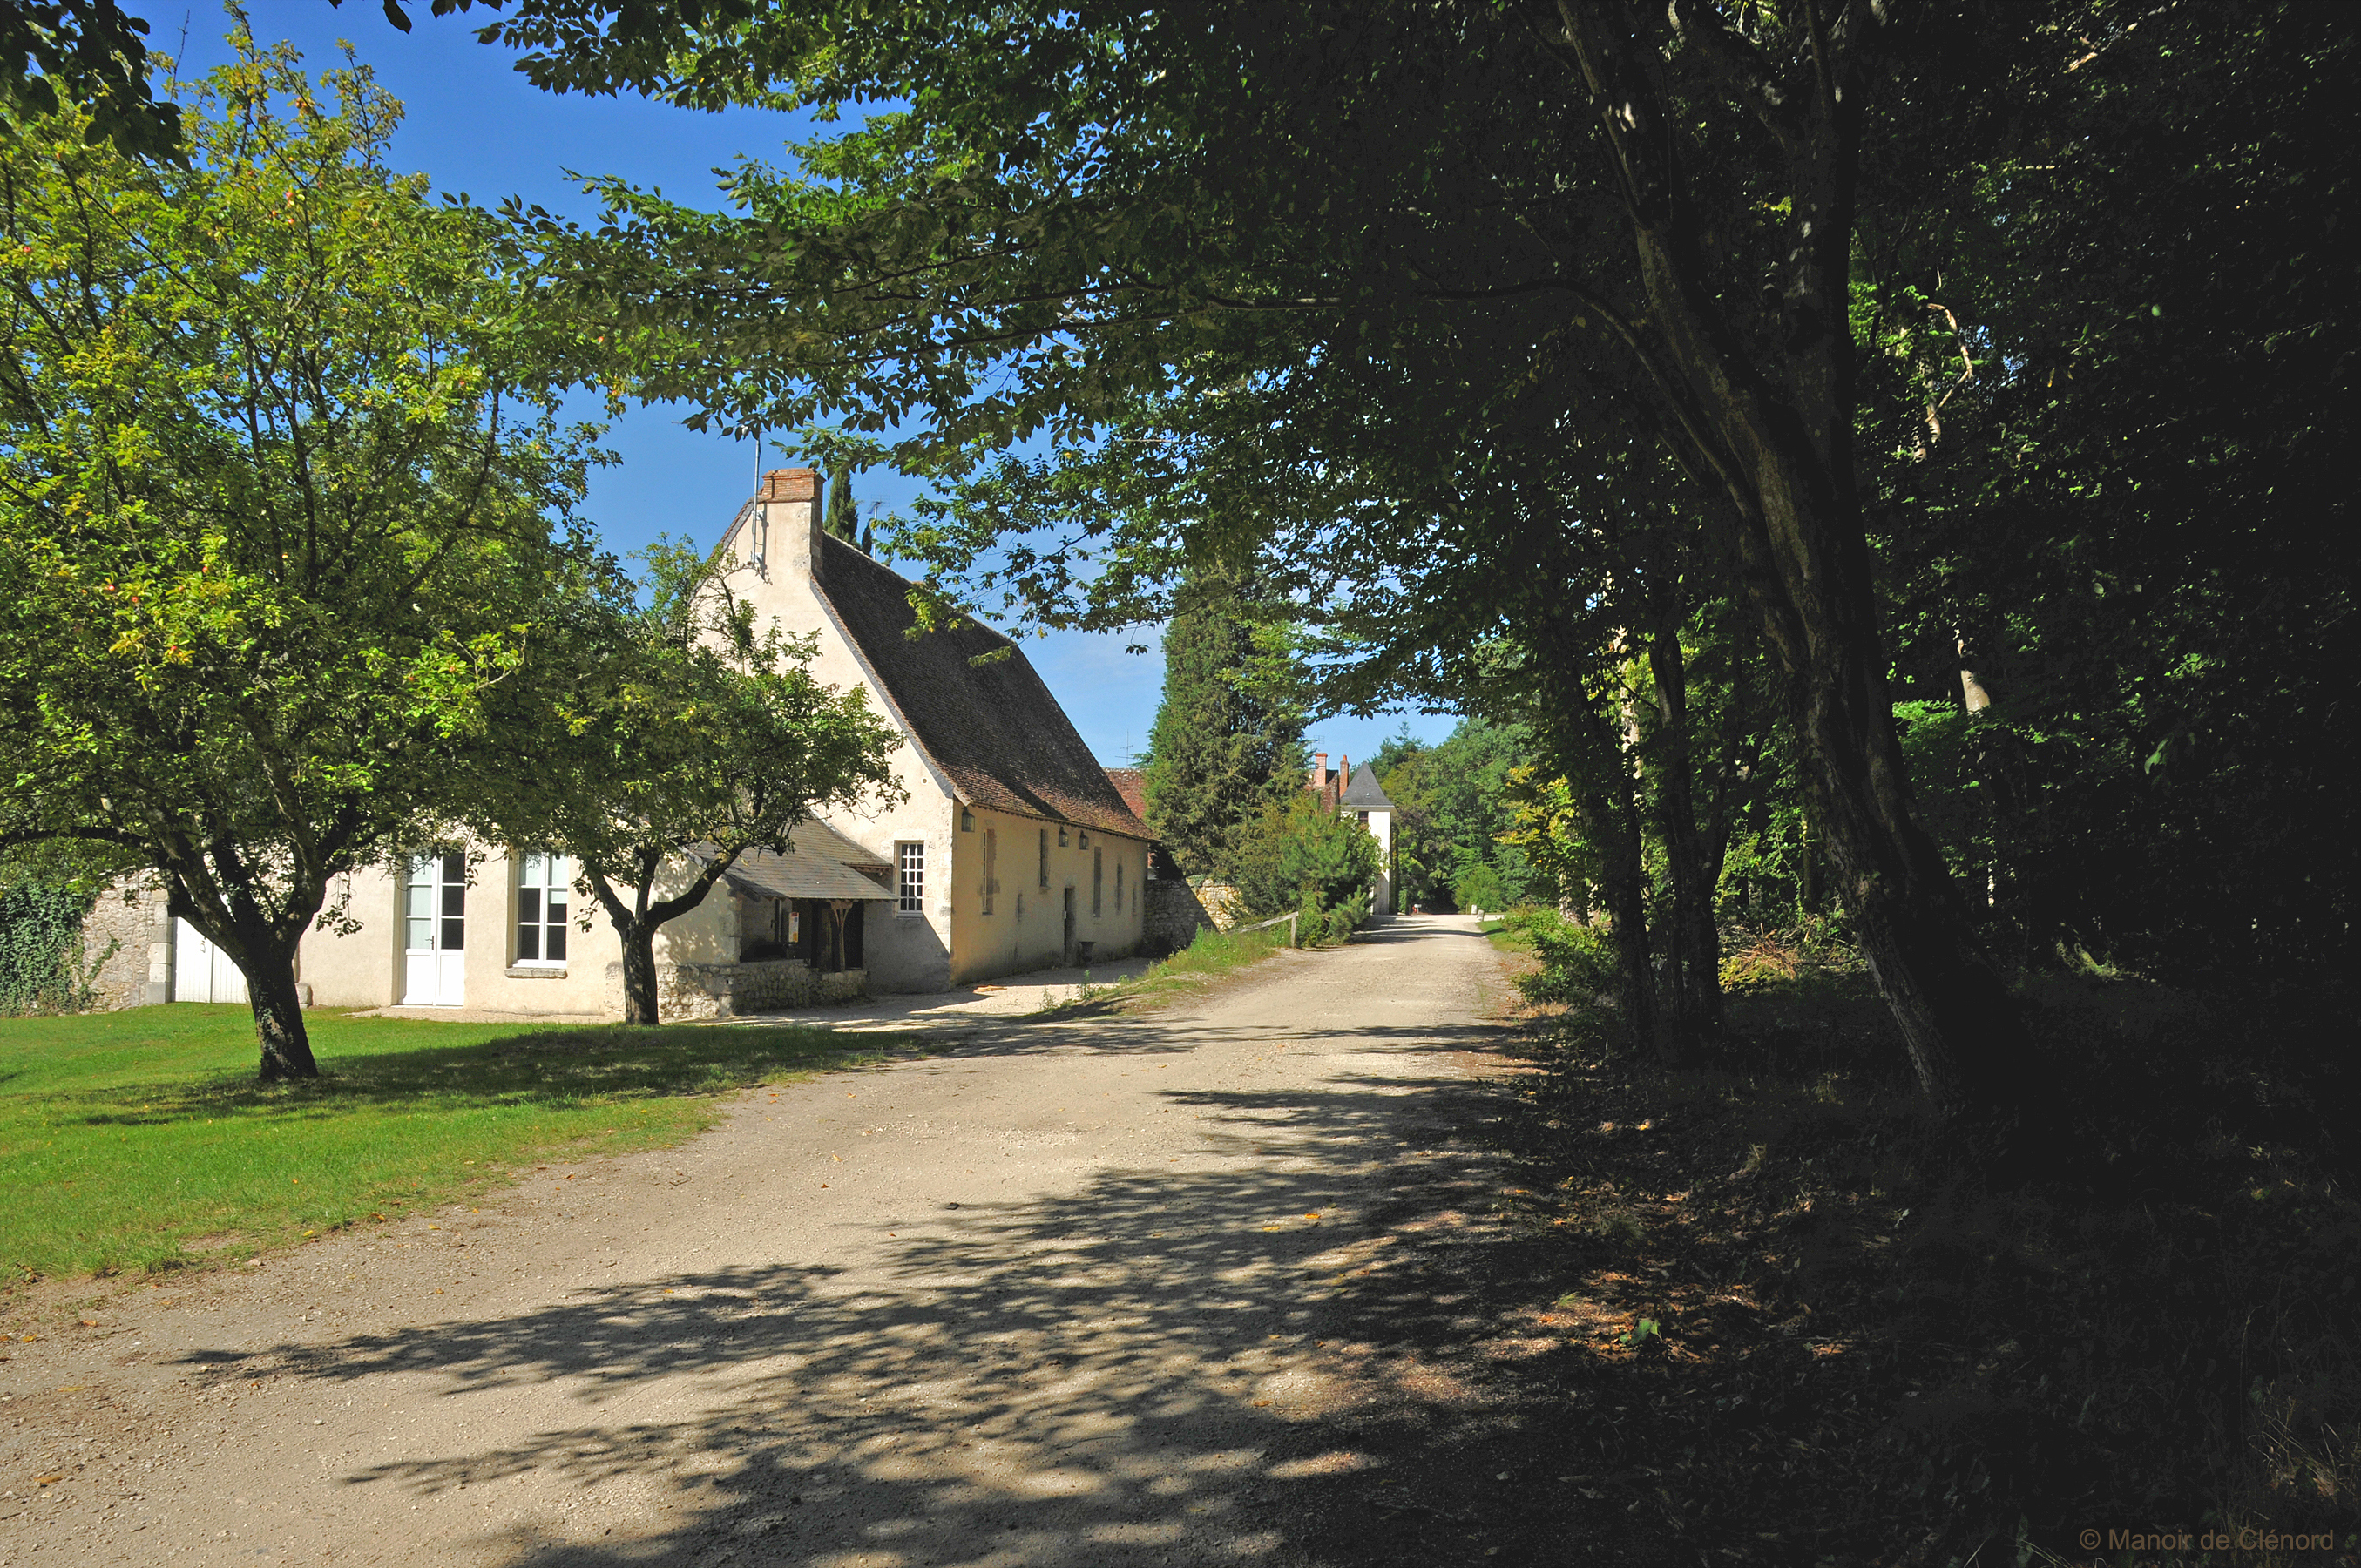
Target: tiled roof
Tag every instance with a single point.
(1364, 794)
(992, 729)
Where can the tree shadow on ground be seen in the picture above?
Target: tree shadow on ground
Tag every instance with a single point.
(538, 1066)
(1293, 1359)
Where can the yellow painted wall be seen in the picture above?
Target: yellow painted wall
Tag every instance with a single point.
(1025, 930)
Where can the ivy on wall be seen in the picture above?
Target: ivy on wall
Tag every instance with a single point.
(42, 968)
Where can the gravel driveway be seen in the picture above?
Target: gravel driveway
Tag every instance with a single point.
(1170, 1288)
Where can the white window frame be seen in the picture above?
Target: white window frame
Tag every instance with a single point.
(557, 872)
(910, 874)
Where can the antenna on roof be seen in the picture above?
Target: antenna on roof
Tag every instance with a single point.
(760, 556)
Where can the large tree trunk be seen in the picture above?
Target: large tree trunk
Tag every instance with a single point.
(1611, 822)
(263, 946)
(1778, 444)
(640, 997)
(1693, 943)
(277, 1003)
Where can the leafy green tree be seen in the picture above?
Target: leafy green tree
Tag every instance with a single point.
(89, 56)
(1303, 854)
(1227, 742)
(1453, 809)
(2114, 375)
(1220, 257)
(1627, 226)
(689, 736)
(279, 462)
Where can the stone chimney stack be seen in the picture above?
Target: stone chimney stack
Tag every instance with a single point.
(787, 527)
(1319, 769)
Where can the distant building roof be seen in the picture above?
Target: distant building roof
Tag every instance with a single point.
(992, 729)
(1364, 794)
(821, 862)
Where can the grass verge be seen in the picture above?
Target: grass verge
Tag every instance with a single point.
(140, 1140)
(1210, 955)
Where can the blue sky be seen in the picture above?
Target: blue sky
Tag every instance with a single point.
(475, 126)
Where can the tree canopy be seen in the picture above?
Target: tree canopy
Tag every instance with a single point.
(1327, 290)
(89, 56)
(283, 496)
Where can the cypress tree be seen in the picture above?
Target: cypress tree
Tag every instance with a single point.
(839, 517)
(1224, 743)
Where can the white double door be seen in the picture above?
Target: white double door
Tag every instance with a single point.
(434, 931)
(200, 971)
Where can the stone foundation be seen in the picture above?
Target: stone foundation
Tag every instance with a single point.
(692, 991)
(1171, 917)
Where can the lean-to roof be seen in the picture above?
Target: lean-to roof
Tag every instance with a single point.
(819, 863)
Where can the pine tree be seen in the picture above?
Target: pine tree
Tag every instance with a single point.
(1227, 741)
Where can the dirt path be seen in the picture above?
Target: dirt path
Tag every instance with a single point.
(1172, 1289)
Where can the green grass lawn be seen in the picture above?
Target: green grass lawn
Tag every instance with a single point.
(140, 1140)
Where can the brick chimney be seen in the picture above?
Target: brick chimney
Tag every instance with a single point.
(1319, 769)
(787, 526)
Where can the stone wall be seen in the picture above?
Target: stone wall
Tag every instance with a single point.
(1224, 905)
(128, 934)
(692, 991)
(1171, 917)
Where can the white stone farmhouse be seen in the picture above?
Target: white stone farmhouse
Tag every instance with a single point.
(1012, 850)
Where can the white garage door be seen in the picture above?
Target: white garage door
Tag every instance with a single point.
(200, 971)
